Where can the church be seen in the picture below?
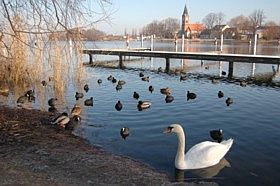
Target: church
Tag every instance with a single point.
(190, 30)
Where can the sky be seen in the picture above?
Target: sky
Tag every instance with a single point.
(135, 14)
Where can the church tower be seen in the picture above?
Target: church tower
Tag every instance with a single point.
(185, 19)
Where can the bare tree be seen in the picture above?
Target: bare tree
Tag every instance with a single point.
(220, 18)
(257, 18)
(240, 22)
(25, 23)
(271, 31)
(210, 20)
(166, 28)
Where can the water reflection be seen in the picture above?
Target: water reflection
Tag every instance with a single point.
(203, 173)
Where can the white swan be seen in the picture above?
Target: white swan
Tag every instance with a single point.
(202, 155)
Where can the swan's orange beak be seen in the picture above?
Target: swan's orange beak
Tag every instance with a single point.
(168, 130)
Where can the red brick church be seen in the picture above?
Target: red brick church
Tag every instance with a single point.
(190, 30)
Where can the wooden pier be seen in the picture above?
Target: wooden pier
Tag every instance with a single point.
(231, 58)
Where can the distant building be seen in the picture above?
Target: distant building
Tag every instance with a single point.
(215, 32)
(190, 30)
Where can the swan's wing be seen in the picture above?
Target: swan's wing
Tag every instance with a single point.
(205, 154)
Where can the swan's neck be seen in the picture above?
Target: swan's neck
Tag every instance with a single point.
(180, 156)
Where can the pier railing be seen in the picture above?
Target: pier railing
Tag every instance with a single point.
(144, 52)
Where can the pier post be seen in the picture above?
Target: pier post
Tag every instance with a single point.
(222, 42)
(121, 66)
(167, 66)
(152, 42)
(230, 69)
(90, 59)
(183, 48)
(142, 41)
(255, 44)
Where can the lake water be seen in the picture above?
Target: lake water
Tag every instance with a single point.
(252, 120)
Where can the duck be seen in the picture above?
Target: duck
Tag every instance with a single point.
(215, 81)
(79, 95)
(22, 99)
(73, 123)
(124, 132)
(229, 101)
(118, 87)
(76, 110)
(160, 69)
(243, 83)
(52, 109)
(144, 104)
(44, 83)
(183, 78)
(99, 81)
(52, 102)
(141, 74)
(30, 93)
(114, 80)
(216, 135)
(166, 90)
(61, 120)
(136, 95)
(110, 78)
(169, 98)
(121, 82)
(86, 88)
(202, 155)
(89, 102)
(151, 88)
(147, 78)
(118, 106)
(220, 94)
(191, 95)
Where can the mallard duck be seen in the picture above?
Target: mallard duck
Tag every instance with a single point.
(147, 78)
(30, 93)
(144, 104)
(89, 102)
(61, 120)
(166, 90)
(121, 82)
(22, 99)
(110, 78)
(183, 77)
(118, 87)
(79, 95)
(124, 132)
(118, 106)
(76, 110)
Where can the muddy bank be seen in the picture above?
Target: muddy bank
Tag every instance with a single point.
(34, 153)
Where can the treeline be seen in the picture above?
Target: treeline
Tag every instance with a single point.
(166, 28)
(74, 34)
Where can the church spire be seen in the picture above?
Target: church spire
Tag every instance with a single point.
(185, 10)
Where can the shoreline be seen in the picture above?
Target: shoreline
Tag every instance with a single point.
(35, 153)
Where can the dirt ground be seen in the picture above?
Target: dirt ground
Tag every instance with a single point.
(34, 153)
